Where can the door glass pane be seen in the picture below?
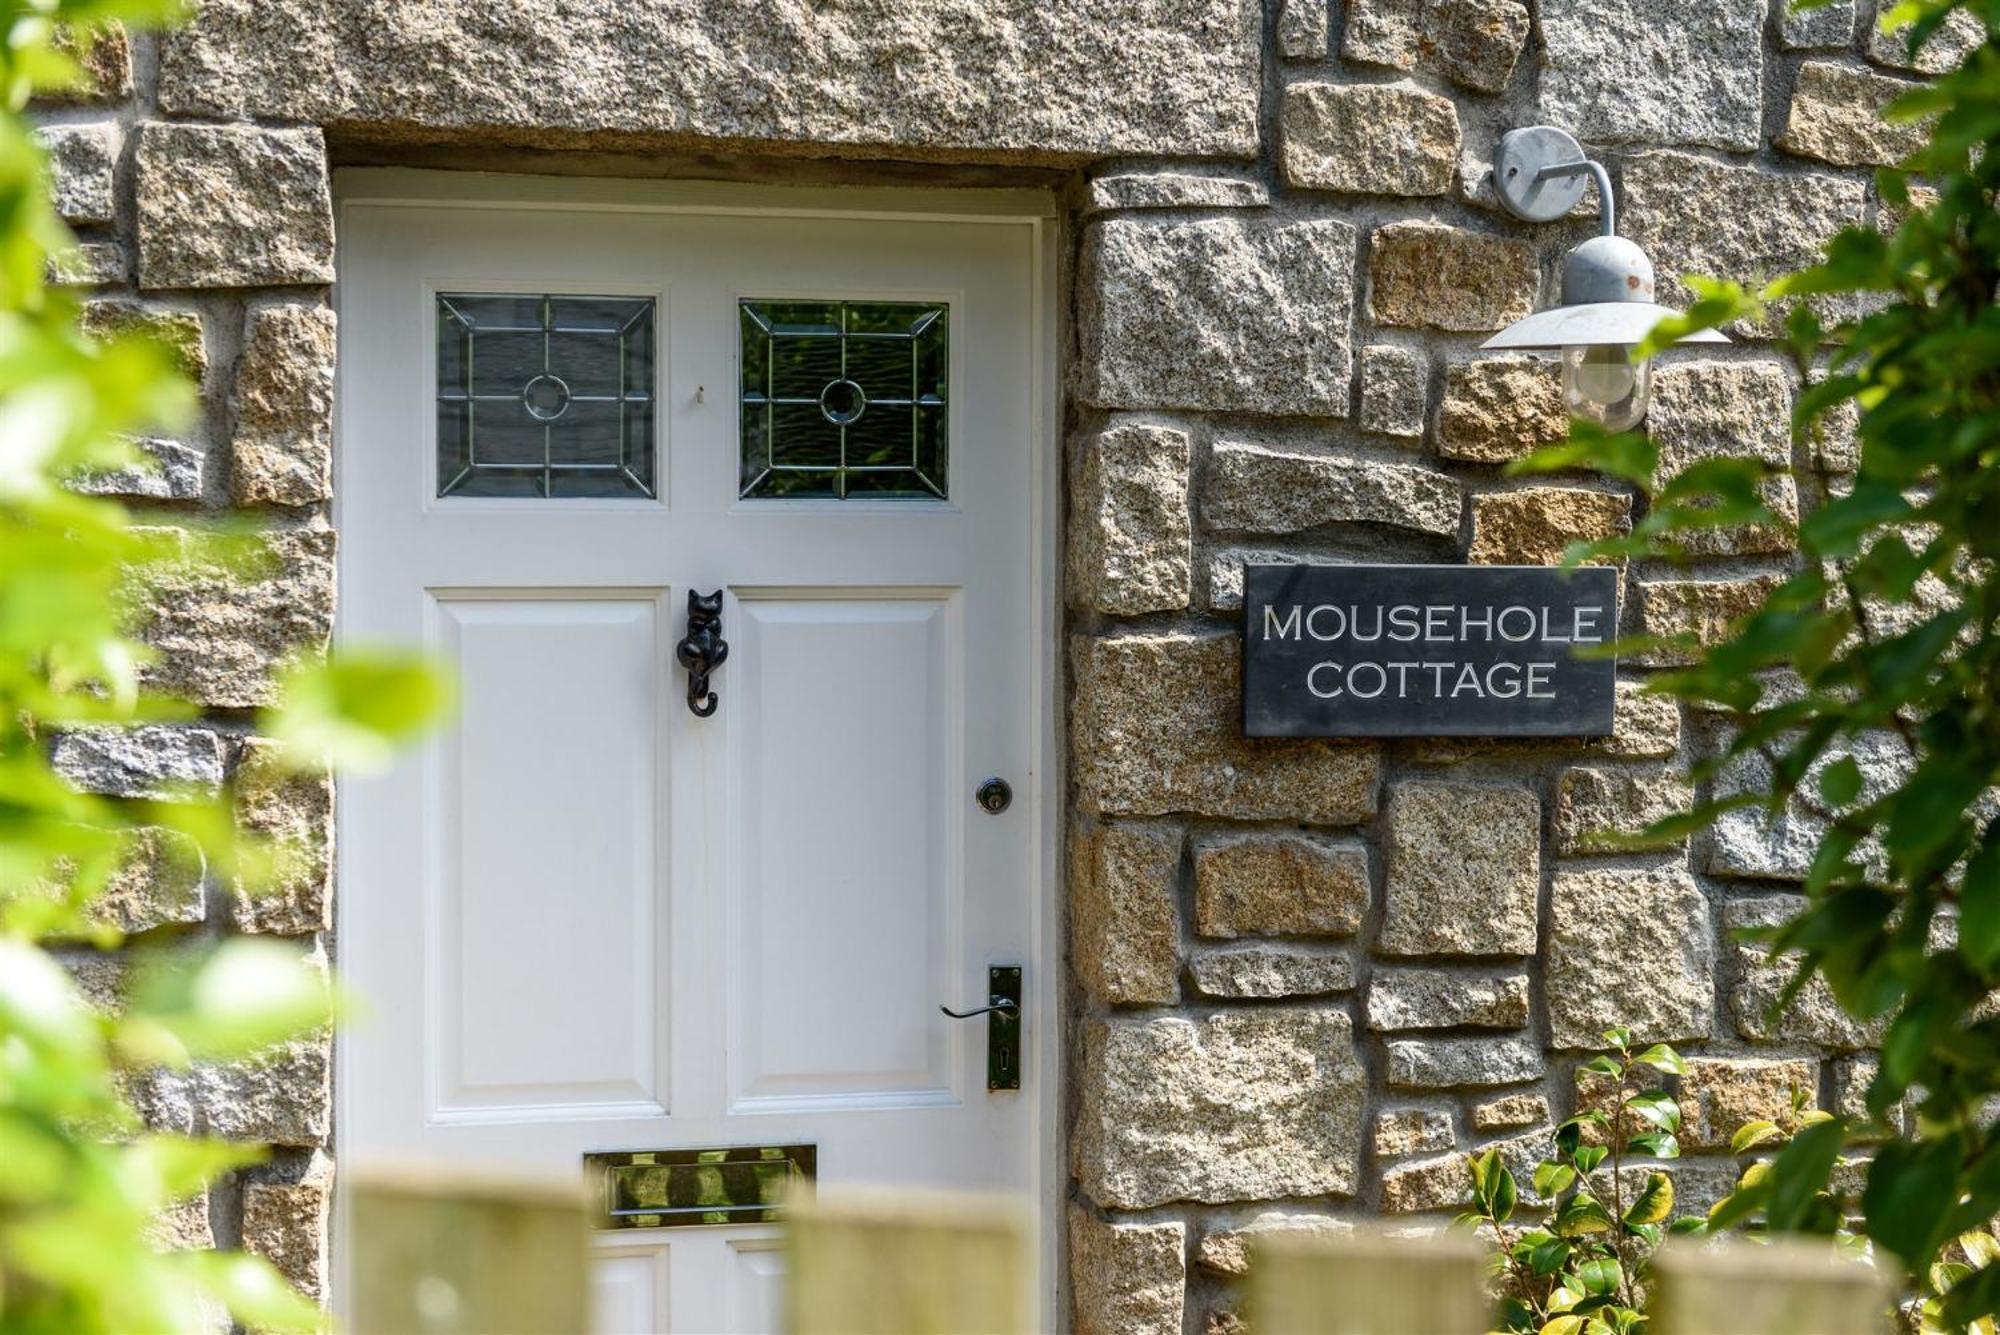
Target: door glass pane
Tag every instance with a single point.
(544, 395)
(844, 398)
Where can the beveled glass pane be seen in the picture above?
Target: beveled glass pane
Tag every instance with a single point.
(545, 395)
(844, 398)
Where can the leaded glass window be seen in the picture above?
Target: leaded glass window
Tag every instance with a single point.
(844, 399)
(544, 395)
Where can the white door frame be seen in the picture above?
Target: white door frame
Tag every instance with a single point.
(1042, 792)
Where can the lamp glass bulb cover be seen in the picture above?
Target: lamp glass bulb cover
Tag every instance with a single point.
(1604, 384)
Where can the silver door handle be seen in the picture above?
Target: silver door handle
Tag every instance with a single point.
(1007, 1006)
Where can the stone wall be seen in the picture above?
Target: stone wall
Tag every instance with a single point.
(219, 238)
(1311, 976)
(1306, 975)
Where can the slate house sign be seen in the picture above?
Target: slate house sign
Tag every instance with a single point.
(1427, 651)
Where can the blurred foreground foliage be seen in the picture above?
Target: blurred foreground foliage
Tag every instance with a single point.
(1881, 642)
(81, 1181)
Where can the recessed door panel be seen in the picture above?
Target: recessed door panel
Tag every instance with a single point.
(846, 862)
(547, 902)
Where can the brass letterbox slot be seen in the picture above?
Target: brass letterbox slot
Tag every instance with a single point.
(743, 1184)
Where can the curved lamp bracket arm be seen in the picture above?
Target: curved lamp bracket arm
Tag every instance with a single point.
(1539, 172)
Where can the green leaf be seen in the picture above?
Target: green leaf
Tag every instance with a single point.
(252, 1289)
(1800, 1173)
(1910, 1196)
(1581, 1215)
(1552, 1179)
(1979, 906)
(1840, 782)
(1545, 1258)
(355, 710)
(1588, 1157)
(1752, 1134)
(1654, 1202)
(1662, 1058)
(1599, 1277)
(1659, 1144)
(1656, 1109)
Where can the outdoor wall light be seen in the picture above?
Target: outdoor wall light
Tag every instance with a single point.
(1607, 291)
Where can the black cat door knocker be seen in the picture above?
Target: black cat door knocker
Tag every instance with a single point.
(702, 649)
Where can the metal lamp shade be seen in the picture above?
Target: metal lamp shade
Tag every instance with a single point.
(1593, 324)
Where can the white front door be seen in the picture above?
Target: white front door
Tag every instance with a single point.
(586, 919)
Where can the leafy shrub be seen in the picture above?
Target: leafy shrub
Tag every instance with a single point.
(1583, 1269)
(1886, 633)
(82, 1184)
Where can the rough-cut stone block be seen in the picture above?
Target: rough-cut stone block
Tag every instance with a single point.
(167, 471)
(1302, 30)
(104, 58)
(1851, 1078)
(1387, 32)
(1813, 1016)
(285, 1221)
(1227, 1251)
(1837, 117)
(1254, 883)
(1443, 1183)
(1255, 489)
(295, 812)
(1129, 1279)
(1472, 42)
(1746, 843)
(148, 762)
(1014, 80)
(179, 332)
(1130, 536)
(1698, 608)
(285, 1098)
(1463, 870)
(1368, 139)
(1185, 188)
(1719, 1096)
(1264, 971)
(1124, 929)
(1426, 274)
(220, 636)
(1156, 728)
(1629, 948)
(1245, 1105)
(1643, 727)
(1405, 1131)
(1400, 999)
(1395, 391)
(159, 884)
(1225, 572)
(232, 206)
(1830, 27)
(1719, 410)
(1534, 526)
(1638, 72)
(1497, 409)
(1607, 808)
(1482, 41)
(1217, 314)
(1944, 50)
(90, 264)
(1777, 223)
(83, 162)
(1510, 1111)
(282, 449)
(1442, 1063)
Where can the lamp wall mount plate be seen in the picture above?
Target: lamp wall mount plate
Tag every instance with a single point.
(1519, 178)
